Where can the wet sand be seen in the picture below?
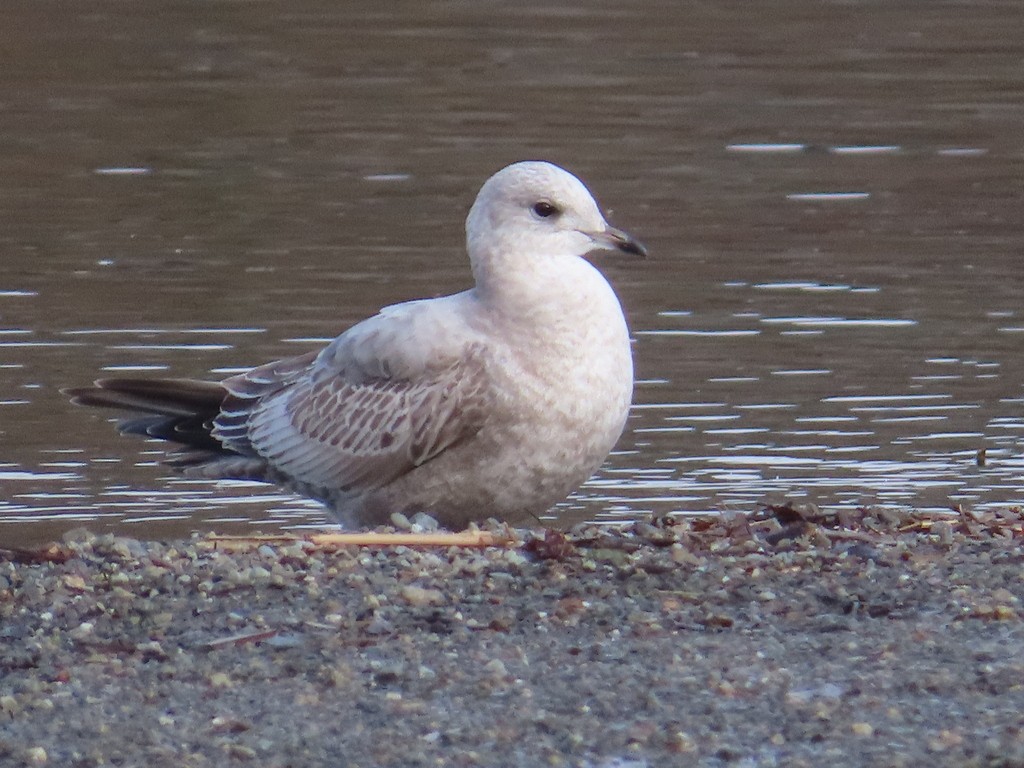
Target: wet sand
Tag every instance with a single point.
(788, 639)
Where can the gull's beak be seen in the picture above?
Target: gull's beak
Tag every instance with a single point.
(612, 239)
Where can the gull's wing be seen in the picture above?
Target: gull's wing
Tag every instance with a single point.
(388, 395)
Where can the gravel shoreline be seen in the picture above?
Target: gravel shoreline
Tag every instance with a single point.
(790, 639)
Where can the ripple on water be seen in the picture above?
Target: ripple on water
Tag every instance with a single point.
(827, 197)
(815, 287)
(734, 333)
(767, 148)
(841, 322)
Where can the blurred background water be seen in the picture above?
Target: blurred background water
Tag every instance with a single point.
(831, 193)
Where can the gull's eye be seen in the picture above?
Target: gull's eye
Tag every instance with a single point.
(545, 210)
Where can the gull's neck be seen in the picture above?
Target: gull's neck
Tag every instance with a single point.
(542, 292)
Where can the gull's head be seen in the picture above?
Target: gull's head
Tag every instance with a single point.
(538, 209)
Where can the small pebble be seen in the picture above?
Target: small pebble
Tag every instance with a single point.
(496, 668)
(862, 729)
(220, 680)
(419, 596)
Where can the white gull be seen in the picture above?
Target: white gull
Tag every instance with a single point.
(495, 402)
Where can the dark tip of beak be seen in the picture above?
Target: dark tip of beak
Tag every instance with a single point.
(625, 243)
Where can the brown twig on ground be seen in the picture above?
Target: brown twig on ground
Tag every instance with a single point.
(474, 538)
(242, 639)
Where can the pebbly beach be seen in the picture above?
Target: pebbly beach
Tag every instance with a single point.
(790, 638)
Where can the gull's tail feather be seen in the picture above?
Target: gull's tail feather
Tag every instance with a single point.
(164, 397)
(176, 410)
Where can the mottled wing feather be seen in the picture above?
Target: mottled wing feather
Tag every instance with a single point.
(247, 390)
(339, 429)
(446, 413)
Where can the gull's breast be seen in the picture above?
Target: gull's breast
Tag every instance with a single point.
(566, 373)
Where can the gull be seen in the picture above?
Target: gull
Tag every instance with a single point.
(497, 401)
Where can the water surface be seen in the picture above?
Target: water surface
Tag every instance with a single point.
(830, 192)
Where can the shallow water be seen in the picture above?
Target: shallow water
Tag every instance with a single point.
(831, 194)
